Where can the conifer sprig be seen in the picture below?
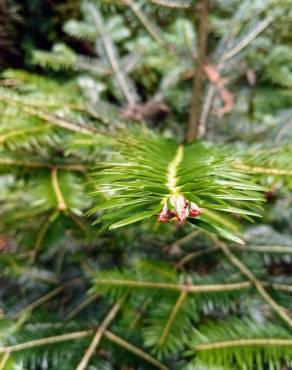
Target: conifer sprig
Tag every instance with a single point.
(152, 173)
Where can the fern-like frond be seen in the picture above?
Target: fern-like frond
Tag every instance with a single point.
(156, 278)
(28, 134)
(241, 344)
(80, 29)
(154, 176)
(172, 301)
(34, 344)
(150, 26)
(61, 57)
(47, 193)
(279, 66)
(167, 329)
(111, 52)
(264, 162)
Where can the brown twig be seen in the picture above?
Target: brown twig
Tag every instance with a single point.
(202, 10)
(212, 89)
(215, 78)
(45, 298)
(87, 301)
(190, 256)
(131, 348)
(99, 333)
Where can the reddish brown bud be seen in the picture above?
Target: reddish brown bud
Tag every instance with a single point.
(166, 214)
(195, 211)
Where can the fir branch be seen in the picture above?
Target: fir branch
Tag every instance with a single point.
(14, 133)
(84, 303)
(195, 109)
(172, 317)
(99, 333)
(187, 238)
(264, 248)
(279, 310)
(46, 341)
(152, 28)
(240, 343)
(42, 232)
(61, 205)
(131, 348)
(212, 89)
(190, 256)
(55, 119)
(245, 248)
(111, 54)
(284, 287)
(183, 288)
(262, 170)
(61, 122)
(143, 183)
(4, 360)
(45, 298)
(140, 312)
(9, 161)
(32, 274)
(254, 33)
(244, 343)
(78, 221)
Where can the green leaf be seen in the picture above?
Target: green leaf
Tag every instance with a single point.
(135, 218)
(214, 229)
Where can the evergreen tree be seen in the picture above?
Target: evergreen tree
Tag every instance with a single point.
(130, 179)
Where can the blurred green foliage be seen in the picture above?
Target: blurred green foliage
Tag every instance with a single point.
(93, 127)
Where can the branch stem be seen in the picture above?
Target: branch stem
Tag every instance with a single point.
(55, 120)
(131, 348)
(172, 317)
(202, 10)
(4, 360)
(262, 170)
(98, 335)
(279, 310)
(34, 164)
(46, 341)
(190, 256)
(42, 232)
(87, 301)
(175, 287)
(45, 298)
(244, 343)
(212, 89)
(151, 28)
(61, 204)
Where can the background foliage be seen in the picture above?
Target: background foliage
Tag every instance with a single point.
(102, 103)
